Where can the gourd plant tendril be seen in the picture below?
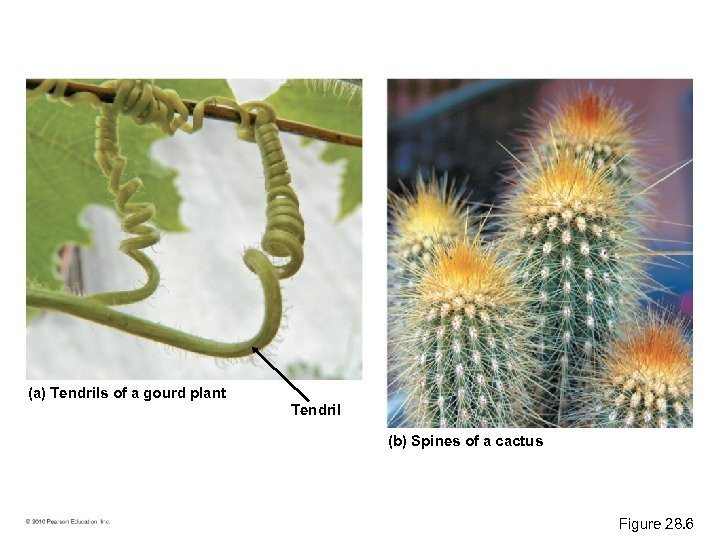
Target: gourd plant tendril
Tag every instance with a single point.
(284, 234)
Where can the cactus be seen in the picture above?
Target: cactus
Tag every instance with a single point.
(573, 241)
(645, 378)
(522, 331)
(594, 126)
(434, 215)
(464, 359)
(419, 223)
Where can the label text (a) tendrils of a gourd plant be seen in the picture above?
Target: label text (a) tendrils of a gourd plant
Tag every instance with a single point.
(284, 234)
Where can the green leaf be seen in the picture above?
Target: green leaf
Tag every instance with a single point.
(330, 104)
(351, 188)
(62, 177)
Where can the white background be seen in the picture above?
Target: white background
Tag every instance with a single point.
(245, 468)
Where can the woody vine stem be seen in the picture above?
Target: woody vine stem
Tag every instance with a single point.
(284, 233)
(212, 110)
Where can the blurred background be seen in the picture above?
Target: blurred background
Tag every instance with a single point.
(456, 125)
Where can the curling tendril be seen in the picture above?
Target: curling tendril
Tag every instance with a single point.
(284, 234)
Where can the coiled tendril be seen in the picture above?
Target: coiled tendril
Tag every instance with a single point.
(136, 101)
(284, 232)
(285, 229)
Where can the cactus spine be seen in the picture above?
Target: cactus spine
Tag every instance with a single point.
(570, 284)
(645, 379)
(433, 216)
(419, 224)
(570, 228)
(464, 359)
(594, 126)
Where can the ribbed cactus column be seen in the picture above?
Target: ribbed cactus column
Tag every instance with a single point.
(645, 380)
(464, 360)
(572, 240)
(420, 222)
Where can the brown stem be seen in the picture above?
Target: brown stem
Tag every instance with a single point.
(218, 112)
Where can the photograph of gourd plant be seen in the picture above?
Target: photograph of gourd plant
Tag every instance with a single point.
(540, 253)
(174, 225)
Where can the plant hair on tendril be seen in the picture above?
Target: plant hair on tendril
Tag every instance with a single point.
(284, 234)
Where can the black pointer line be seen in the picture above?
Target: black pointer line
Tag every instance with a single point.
(256, 351)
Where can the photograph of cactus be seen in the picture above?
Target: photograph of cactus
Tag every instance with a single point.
(540, 253)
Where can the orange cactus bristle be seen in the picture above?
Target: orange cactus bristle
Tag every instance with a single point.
(658, 349)
(429, 214)
(567, 184)
(592, 117)
(435, 210)
(466, 270)
(588, 118)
